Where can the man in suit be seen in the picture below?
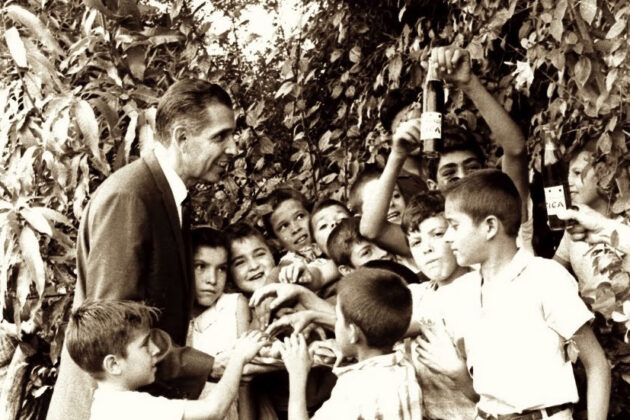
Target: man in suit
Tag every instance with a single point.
(134, 242)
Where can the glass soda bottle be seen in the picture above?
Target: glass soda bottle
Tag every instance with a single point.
(555, 184)
(432, 111)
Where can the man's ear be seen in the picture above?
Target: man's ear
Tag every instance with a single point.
(491, 225)
(432, 185)
(345, 270)
(178, 134)
(111, 365)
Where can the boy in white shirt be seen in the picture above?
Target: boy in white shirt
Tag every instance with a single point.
(112, 341)
(528, 311)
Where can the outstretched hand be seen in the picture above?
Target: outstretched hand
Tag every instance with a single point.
(296, 357)
(296, 272)
(452, 64)
(591, 226)
(248, 345)
(283, 292)
(296, 321)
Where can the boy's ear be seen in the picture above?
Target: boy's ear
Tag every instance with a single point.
(432, 185)
(111, 365)
(345, 270)
(491, 226)
(356, 335)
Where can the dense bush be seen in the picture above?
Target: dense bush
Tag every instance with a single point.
(81, 80)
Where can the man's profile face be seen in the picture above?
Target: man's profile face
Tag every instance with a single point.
(207, 154)
(455, 165)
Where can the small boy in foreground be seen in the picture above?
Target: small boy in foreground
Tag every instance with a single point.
(373, 312)
(111, 340)
(528, 311)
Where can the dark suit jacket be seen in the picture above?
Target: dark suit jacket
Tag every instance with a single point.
(130, 246)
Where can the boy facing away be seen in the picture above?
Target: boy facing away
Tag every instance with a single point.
(373, 312)
(528, 311)
(112, 341)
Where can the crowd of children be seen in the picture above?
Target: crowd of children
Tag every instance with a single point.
(479, 328)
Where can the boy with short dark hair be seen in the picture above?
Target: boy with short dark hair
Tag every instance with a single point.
(349, 249)
(326, 214)
(373, 312)
(112, 341)
(527, 312)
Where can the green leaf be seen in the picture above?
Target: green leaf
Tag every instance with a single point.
(37, 220)
(588, 10)
(556, 29)
(35, 27)
(616, 29)
(29, 246)
(86, 120)
(285, 89)
(582, 70)
(16, 47)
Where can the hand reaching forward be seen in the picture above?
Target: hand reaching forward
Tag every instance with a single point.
(248, 345)
(406, 138)
(296, 356)
(284, 292)
(591, 227)
(296, 321)
(437, 351)
(297, 272)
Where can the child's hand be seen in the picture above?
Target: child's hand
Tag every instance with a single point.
(295, 356)
(406, 138)
(325, 352)
(452, 64)
(283, 292)
(296, 321)
(248, 345)
(437, 351)
(296, 272)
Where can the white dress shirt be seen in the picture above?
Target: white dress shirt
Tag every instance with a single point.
(178, 188)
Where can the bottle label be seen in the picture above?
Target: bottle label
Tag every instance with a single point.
(430, 125)
(555, 199)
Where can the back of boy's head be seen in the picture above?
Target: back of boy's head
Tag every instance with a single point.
(104, 327)
(455, 139)
(342, 240)
(488, 192)
(421, 207)
(207, 236)
(396, 100)
(378, 302)
(355, 201)
(277, 197)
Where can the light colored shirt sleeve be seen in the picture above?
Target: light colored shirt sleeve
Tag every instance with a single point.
(563, 308)
(562, 252)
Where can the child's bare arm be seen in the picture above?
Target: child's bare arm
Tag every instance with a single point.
(374, 224)
(453, 65)
(597, 370)
(216, 404)
(313, 275)
(298, 363)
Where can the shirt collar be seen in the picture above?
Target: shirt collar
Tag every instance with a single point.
(516, 266)
(178, 188)
(385, 360)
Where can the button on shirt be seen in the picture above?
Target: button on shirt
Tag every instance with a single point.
(515, 345)
(178, 188)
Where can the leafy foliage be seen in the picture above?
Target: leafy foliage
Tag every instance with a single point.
(82, 79)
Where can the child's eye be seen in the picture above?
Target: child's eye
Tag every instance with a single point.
(322, 227)
(237, 263)
(438, 234)
(282, 227)
(199, 266)
(415, 243)
(300, 216)
(222, 269)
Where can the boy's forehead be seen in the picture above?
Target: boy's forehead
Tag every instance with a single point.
(429, 223)
(328, 211)
(247, 244)
(210, 251)
(457, 157)
(285, 209)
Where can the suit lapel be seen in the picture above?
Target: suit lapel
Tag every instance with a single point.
(171, 211)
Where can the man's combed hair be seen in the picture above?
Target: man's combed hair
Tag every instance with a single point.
(342, 239)
(355, 201)
(378, 302)
(277, 197)
(187, 101)
(104, 327)
(209, 237)
(488, 192)
(421, 206)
